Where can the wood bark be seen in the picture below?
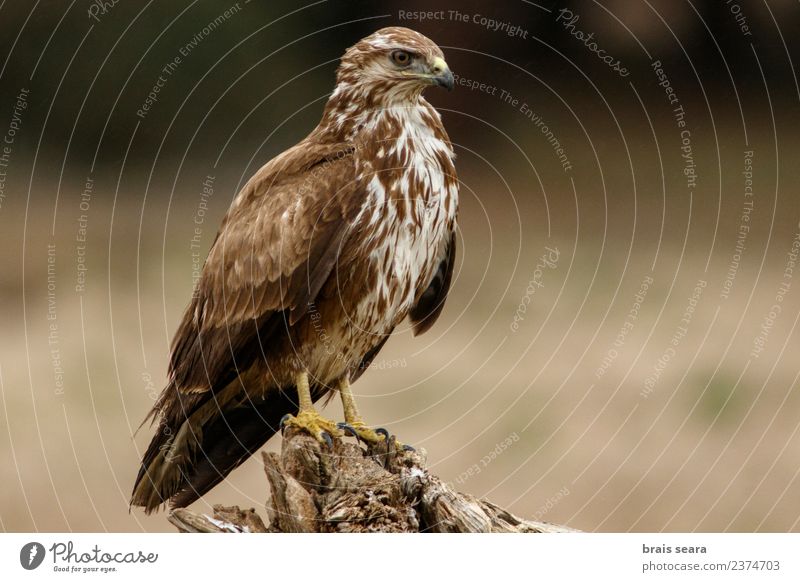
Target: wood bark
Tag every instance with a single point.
(353, 488)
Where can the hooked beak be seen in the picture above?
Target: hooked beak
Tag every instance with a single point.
(441, 74)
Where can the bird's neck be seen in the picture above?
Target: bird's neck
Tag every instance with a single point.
(351, 110)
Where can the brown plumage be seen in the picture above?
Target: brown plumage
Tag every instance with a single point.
(325, 250)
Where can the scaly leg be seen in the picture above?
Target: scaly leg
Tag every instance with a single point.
(308, 419)
(353, 422)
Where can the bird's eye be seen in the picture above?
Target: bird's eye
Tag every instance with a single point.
(401, 58)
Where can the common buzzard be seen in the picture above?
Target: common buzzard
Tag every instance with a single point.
(324, 251)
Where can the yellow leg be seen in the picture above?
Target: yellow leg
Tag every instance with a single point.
(304, 392)
(308, 419)
(348, 402)
(352, 419)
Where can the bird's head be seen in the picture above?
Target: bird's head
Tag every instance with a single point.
(395, 61)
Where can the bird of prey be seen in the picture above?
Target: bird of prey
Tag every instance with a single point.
(326, 249)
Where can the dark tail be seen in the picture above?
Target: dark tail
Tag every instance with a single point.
(187, 458)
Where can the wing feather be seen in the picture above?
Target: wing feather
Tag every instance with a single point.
(275, 249)
(430, 303)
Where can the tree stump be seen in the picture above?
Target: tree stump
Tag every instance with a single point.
(348, 488)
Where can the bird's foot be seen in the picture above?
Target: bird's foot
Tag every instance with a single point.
(312, 422)
(371, 436)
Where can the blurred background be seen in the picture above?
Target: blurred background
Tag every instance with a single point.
(619, 351)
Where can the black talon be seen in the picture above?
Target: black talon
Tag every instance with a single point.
(328, 439)
(283, 421)
(348, 428)
(382, 431)
(409, 448)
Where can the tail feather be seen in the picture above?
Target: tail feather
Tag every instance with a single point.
(186, 459)
(230, 440)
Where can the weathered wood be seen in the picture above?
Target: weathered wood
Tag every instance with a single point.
(224, 520)
(352, 489)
